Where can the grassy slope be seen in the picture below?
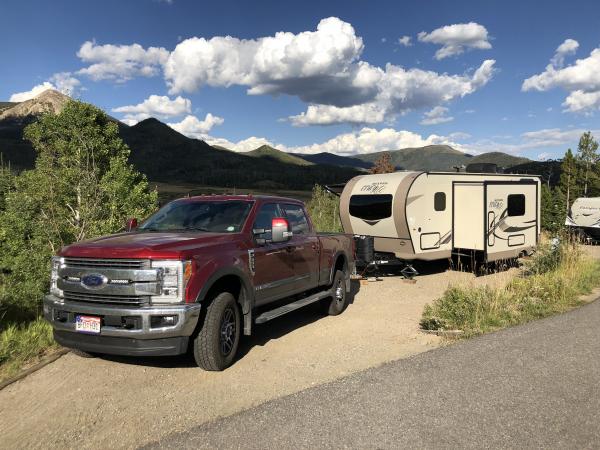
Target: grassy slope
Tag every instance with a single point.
(335, 160)
(499, 158)
(552, 283)
(24, 345)
(441, 157)
(264, 151)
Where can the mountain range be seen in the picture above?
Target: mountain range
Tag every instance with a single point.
(165, 155)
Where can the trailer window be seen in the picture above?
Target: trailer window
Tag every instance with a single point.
(439, 201)
(516, 205)
(371, 207)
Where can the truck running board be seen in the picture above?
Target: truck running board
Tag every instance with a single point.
(289, 307)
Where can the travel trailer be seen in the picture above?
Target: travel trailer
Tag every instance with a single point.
(584, 217)
(433, 215)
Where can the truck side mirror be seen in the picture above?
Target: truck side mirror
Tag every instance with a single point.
(132, 224)
(280, 230)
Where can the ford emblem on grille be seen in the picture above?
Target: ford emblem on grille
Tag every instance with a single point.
(93, 281)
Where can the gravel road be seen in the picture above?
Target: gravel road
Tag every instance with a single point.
(533, 386)
(127, 402)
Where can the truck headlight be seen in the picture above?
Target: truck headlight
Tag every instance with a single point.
(57, 262)
(174, 277)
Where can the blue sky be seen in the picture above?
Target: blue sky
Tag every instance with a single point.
(520, 77)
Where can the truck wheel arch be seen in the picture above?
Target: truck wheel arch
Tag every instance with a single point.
(340, 263)
(223, 280)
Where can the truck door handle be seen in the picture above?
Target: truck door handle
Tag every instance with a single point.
(315, 247)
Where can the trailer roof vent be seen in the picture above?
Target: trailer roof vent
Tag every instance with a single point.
(483, 168)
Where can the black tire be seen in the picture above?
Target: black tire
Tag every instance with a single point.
(337, 303)
(83, 354)
(217, 342)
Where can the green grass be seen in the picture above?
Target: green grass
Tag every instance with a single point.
(552, 282)
(21, 345)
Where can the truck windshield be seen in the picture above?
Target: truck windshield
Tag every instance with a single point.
(211, 216)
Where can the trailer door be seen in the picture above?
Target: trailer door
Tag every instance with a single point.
(511, 218)
(467, 216)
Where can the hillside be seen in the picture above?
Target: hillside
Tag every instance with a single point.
(335, 160)
(165, 155)
(430, 157)
(48, 101)
(267, 152)
(441, 157)
(499, 158)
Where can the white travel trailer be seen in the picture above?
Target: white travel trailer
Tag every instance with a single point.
(584, 216)
(432, 215)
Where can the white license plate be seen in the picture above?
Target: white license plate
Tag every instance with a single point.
(87, 324)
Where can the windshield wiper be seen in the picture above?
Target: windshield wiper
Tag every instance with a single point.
(148, 229)
(197, 229)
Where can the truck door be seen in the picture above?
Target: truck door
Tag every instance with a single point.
(512, 218)
(274, 275)
(304, 248)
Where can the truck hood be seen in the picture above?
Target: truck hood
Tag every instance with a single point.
(151, 245)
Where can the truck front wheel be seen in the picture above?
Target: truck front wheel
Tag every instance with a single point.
(336, 304)
(217, 342)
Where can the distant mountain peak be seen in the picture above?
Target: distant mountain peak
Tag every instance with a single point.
(49, 101)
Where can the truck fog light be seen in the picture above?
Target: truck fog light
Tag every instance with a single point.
(163, 321)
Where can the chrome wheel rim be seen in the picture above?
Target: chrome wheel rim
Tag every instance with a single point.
(339, 292)
(227, 334)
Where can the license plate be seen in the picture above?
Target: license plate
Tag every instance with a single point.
(87, 324)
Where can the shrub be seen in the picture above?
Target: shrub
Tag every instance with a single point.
(324, 209)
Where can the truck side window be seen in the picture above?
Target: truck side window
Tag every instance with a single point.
(263, 219)
(516, 205)
(295, 214)
(439, 201)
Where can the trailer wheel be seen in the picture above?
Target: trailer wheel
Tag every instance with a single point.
(337, 303)
(217, 342)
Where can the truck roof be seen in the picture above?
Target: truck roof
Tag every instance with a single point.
(243, 197)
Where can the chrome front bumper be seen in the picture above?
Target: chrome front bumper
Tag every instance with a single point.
(61, 315)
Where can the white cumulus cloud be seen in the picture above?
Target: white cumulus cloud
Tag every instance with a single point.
(436, 116)
(120, 62)
(34, 92)
(400, 91)
(155, 106)
(405, 41)
(244, 145)
(580, 79)
(321, 67)
(568, 47)
(195, 128)
(63, 82)
(454, 39)
(295, 64)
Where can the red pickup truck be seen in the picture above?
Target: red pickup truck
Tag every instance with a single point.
(199, 272)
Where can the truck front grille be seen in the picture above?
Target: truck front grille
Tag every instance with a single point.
(133, 300)
(92, 263)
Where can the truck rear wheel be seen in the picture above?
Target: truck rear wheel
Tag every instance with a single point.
(336, 304)
(217, 342)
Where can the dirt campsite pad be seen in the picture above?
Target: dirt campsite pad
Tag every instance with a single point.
(115, 402)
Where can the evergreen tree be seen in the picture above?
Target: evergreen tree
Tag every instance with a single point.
(552, 209)
(81, 187)
(568, 179)
(587, 153)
